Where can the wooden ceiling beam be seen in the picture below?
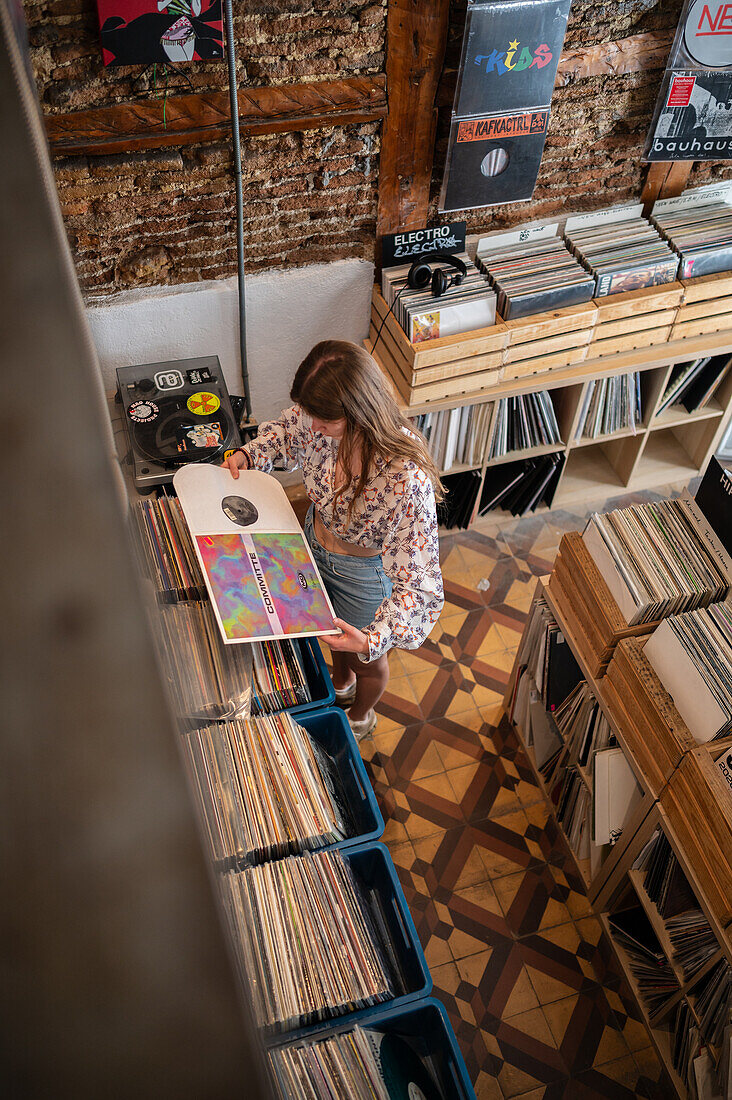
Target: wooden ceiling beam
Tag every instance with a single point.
(187, 119)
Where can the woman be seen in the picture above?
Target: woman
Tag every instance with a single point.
(372, 525)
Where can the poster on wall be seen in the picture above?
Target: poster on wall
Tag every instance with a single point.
(140, 32)
(693, 116)
(256, 562)
(510, 54)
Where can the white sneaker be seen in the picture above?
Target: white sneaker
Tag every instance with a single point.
(363, 728)
(346, 695)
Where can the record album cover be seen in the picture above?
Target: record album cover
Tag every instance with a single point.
(693, 115)
(140, 32)
(493, 160)
(257, 565)
(510, 55)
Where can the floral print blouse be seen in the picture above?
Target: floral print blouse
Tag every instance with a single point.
(395, 512)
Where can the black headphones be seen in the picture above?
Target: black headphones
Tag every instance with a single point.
(421, 274)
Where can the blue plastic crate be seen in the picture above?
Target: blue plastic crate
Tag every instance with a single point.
(330, 730)
(317, 675)
(424, 1019)
(374, 869)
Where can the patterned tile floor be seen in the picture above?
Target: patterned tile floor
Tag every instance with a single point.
(522, 966)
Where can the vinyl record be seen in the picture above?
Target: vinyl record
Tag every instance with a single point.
(404, 1072)
(493, 160)
(159, 438)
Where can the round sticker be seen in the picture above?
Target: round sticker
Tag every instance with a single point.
(707, 32)
(203, 403)
(142, 411)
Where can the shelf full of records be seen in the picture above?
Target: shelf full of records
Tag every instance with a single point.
(321, 933)
(456, 437)
(652, 834)
(210, 680)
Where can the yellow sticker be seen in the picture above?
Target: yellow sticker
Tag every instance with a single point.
(228, 454)
(203, 403)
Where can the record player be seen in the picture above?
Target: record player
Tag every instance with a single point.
(174, 413)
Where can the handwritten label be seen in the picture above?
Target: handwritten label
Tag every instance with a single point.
(402, 248)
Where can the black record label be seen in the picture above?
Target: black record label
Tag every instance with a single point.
(493, 160)
(142, 412)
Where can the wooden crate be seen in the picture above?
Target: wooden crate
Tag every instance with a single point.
(637, 702)
(706, 307)
(635, 319)
(587, 603)
(698, 805)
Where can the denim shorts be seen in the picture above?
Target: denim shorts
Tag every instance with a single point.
(356, 586)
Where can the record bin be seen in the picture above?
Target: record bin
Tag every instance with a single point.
(375, 873)
(425, 1020)
(330, 730)
(317, 676)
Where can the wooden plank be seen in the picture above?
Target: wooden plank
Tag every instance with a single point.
(517, 352)
(552, 322)
(637, 53)
(541, 364)
(416, 35)
(707, 308)
(640, 322)
(205, 116)
(648, 299)
(707, 286)
(702, 326)
(664, 180)
(457, 368)
(631, 342)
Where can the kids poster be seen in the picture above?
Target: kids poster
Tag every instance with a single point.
(140, 32)
(257, 565)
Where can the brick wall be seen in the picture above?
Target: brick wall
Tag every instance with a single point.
(167, 216)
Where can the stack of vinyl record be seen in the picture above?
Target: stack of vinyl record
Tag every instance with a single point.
(693, 384)
(610, 405)
(651, 969)
(167, 553)
(279, 676)
(265, 789)
(208, 680)
(623, 255)
(363, 1063)
(341, 1065)
(461, 493)
(535, 276)
(305, 940)
(700, 234)
(456, 437)
(520, 487)
(424, 316)
(583, 725)
(655, 560)
(521, 422)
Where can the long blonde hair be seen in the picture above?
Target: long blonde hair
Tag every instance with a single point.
(339, 380)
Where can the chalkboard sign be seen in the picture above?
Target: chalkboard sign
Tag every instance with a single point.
(402, 248)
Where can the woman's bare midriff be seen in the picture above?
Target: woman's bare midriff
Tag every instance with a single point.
(338, 546)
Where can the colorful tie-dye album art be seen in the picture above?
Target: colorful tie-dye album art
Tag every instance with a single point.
(264, 585)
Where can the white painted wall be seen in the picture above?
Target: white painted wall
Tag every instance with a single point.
(287, 312)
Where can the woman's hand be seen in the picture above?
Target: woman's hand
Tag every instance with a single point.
(235, 462)
(350, 639)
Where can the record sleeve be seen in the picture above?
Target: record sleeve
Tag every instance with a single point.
(493, 160)
(510, 55)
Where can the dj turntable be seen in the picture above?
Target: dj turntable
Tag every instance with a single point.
(174, 413)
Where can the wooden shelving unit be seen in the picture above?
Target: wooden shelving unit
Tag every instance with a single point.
(685, 798)
(562, 352)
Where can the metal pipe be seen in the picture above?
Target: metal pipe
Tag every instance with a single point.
(234, 107)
